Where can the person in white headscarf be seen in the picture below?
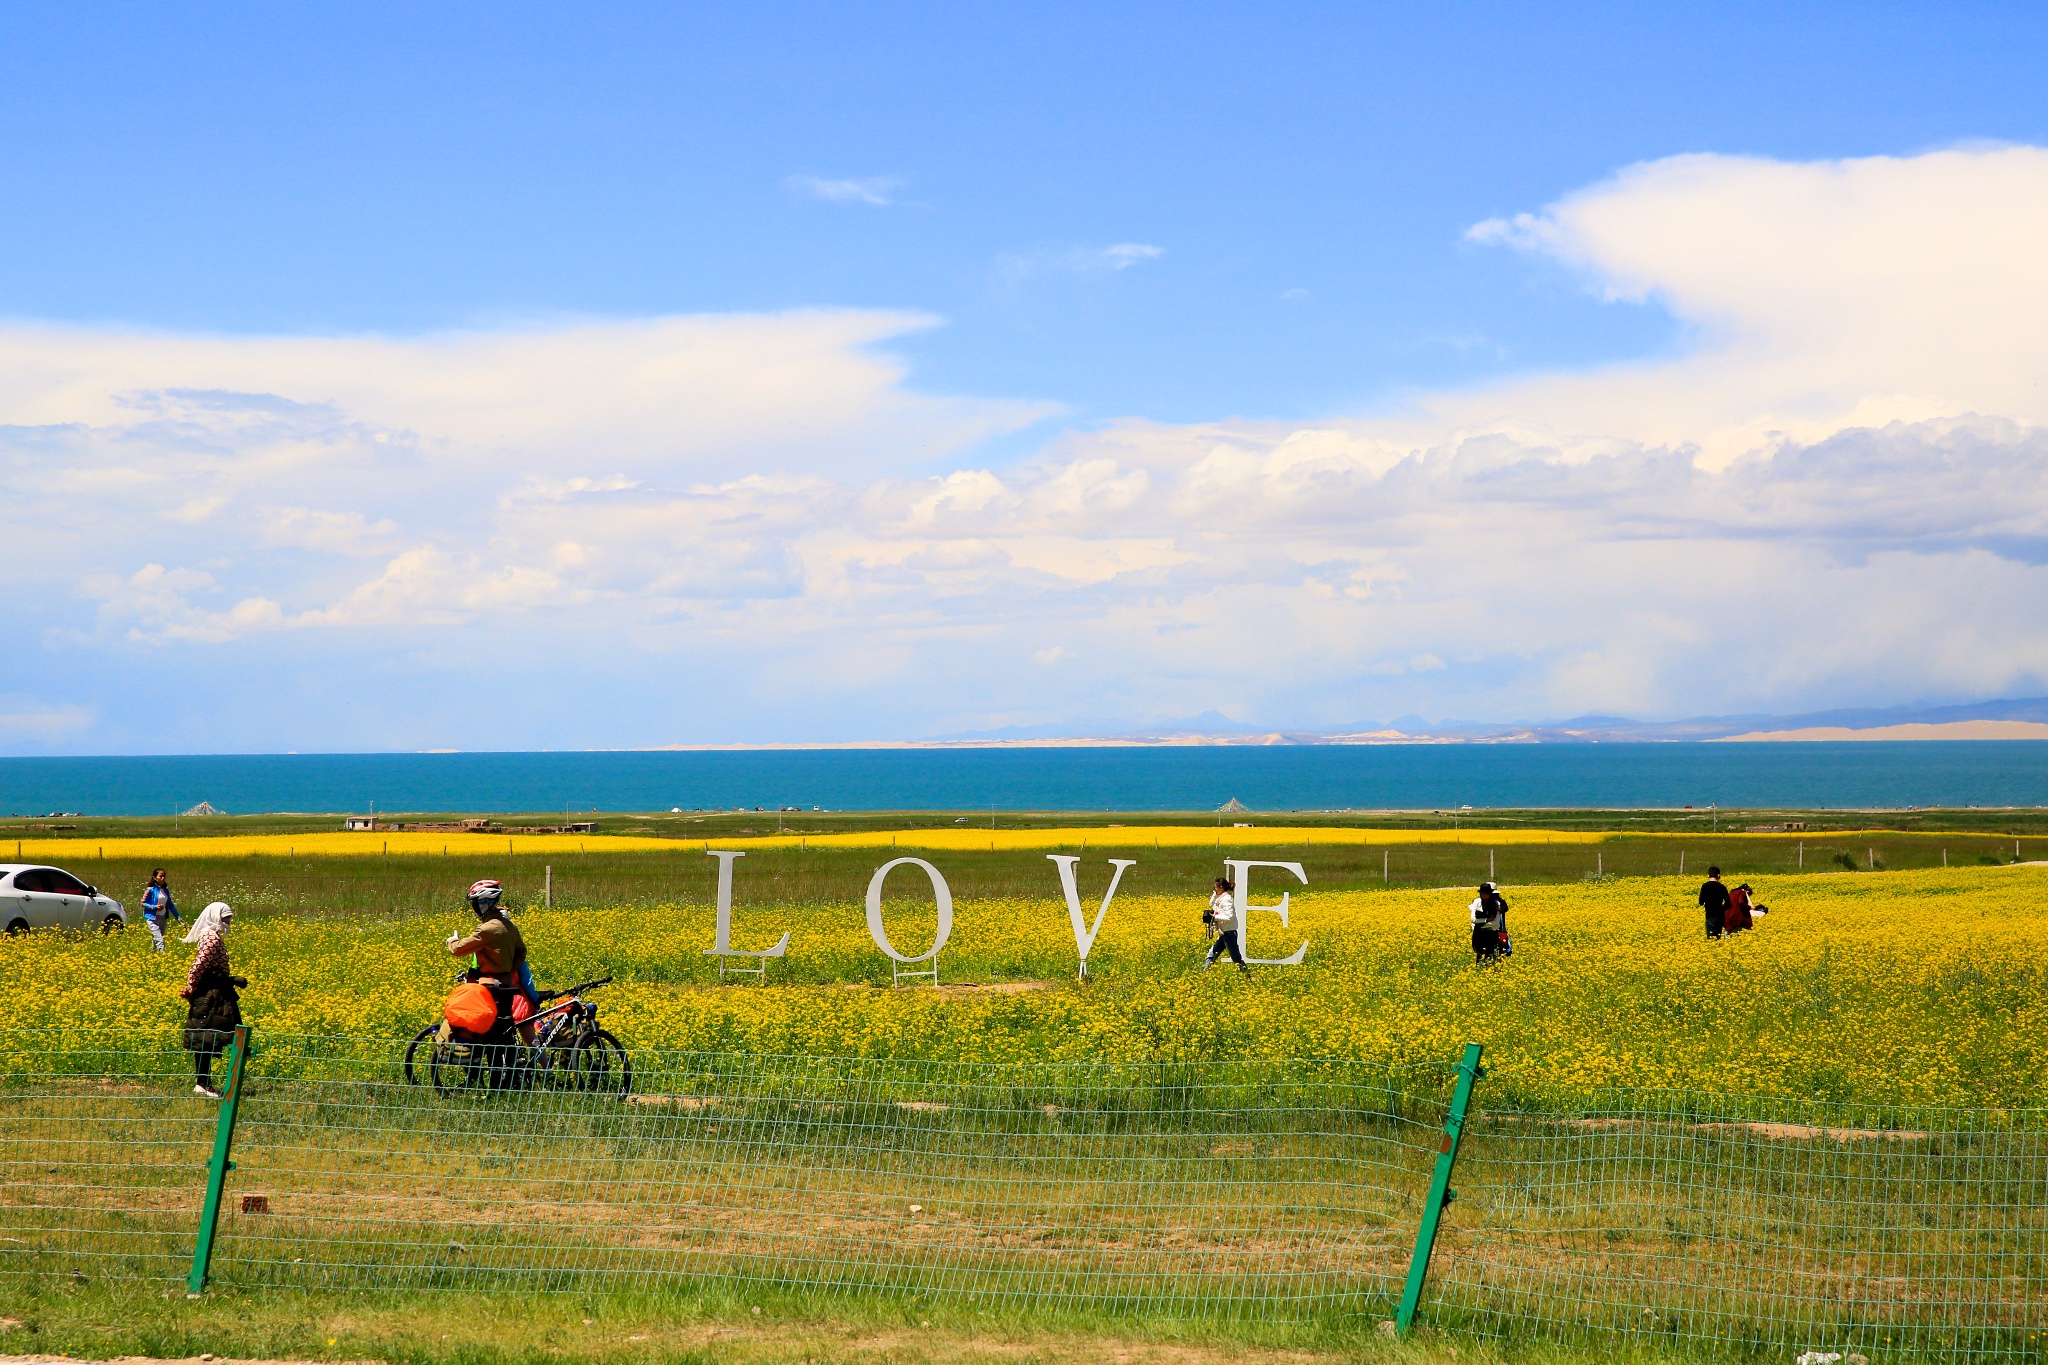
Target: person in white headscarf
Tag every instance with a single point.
(215, 1007)
(212, 920)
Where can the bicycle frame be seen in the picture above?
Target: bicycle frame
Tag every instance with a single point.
(554, 1020)
(569, 1005)
(549, 1023)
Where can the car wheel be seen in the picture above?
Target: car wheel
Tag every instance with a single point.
(17, 926)
(113, 924)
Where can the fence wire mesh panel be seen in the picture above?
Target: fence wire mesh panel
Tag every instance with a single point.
(103, 1152)
(1258, 1189)
(1746, 1224)
(1268, 1190)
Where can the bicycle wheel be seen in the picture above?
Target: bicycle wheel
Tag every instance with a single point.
(554, 1065)
(425, 1035)
(456, 1067)
(601, 1065)
(519, 1068)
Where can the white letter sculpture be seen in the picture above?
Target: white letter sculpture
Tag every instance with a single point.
(1241, 874)
(722, 945)
(1084, 933)
(940, 892)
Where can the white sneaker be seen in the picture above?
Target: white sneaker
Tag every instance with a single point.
(209, 1094)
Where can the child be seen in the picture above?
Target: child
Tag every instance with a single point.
(158, 909)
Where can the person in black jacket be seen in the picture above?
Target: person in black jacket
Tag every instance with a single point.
(215, 1007)
(1489, 924)
(1714, 900)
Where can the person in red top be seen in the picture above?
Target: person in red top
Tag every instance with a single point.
(1741, 905)
(214, 993)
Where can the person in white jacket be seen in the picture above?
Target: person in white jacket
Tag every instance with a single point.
(1489, 923)
(1222, 917)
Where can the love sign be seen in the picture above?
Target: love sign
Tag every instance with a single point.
(904, 965)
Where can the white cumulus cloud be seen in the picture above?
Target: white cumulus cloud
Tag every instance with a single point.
(1824, 295)
(754, 528)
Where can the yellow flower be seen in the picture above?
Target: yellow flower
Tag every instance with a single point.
(1915, 987)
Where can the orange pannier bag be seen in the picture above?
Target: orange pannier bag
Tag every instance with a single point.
(471, 1008)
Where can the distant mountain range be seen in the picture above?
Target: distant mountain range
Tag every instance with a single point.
(2015, 718)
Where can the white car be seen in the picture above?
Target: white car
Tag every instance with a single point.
(34, 897)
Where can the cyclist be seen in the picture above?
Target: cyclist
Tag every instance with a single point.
(500, 954)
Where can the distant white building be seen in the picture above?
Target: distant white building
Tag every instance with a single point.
(359, 822)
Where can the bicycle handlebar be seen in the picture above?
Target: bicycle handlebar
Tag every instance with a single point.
(545, 996)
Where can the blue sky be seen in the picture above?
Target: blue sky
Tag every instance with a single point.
(352, 168)
(772, 274)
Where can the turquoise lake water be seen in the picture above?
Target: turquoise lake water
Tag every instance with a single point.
(1813, 776)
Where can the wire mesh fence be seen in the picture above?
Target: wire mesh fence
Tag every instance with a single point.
(1240, 1189)
(1682, 1218)
(103, 1159)
(1179, 1189)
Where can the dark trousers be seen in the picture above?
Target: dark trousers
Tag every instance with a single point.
(1715, 922)
(1226, 939)
(202, 1061)
(1485, 944)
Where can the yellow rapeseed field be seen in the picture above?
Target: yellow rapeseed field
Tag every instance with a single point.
(336, 843)
(1909, 986)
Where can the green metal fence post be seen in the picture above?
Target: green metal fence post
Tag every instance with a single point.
(1440, 1192)
(217, 1171)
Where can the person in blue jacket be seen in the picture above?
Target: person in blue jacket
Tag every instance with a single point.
(158, 909)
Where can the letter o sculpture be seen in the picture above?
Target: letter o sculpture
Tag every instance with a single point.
(940, 891)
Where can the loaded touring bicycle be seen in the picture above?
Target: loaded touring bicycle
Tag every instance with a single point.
(569, 1051)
